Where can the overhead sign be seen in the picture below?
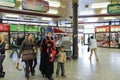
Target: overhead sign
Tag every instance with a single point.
(35, 5)
(16, 27)
(113, 9)
(4, 27)
(7, 3)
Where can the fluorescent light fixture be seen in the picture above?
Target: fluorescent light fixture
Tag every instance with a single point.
(108, 18)
(86, 12)
(46, 19)
(54, 3)
(100, 5)
(13, 22)
(91, 19)
(80, 19)
(43, 24)
(34, 23)
(68, 25)
(103, 11)
(4, 21)
(52, 11)
(12, 15)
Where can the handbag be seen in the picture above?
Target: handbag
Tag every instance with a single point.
(28, 55)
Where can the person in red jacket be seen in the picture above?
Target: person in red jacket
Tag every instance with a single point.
(48, 52)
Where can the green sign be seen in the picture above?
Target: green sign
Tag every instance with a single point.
(16, 27)
(113, 9)
(35, 5)
(31, 28)
(7, 3)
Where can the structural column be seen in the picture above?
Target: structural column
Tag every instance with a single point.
(75, 29)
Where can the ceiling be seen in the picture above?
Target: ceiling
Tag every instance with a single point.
(65, 10)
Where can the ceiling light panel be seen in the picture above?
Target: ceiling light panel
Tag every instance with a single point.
(103, 11)
(46, 19)
(109, 18)
(86, 12)
(52, 11)
(54, 3)
(12, 15)
(100, 5)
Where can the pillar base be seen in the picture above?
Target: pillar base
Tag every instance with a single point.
(75, 57)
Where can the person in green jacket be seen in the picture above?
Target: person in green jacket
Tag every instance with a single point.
(28, 53)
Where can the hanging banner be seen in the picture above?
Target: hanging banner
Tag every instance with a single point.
(113, 9)
(7, 3)
(35, 5)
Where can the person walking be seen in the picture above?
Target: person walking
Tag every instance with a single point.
(48, 52)
(2, 45)
(28, 53)
(35, 60)
(14, 47)
(61, 61)
(88, 49)
(93, 47)
(2, 55)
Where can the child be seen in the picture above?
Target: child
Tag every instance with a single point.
(61, 61)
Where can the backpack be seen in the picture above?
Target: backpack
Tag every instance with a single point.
(11, 45)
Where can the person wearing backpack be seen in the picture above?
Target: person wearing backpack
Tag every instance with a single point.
(93, 47)
(14, 47)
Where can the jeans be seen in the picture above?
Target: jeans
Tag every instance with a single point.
(13, 50)
(60, 65)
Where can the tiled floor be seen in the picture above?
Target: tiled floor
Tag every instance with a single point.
(108, 67)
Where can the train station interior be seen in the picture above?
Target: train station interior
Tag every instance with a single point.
(73, 21)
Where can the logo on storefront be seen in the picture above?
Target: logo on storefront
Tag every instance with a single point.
(113, 9)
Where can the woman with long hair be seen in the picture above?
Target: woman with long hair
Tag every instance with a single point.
(28, 52)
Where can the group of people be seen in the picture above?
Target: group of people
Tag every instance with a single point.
(28, 53)
(92, 47)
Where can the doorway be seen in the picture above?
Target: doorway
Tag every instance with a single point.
(86, 36)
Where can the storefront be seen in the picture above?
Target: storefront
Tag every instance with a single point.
(4, 30)
(107, 36)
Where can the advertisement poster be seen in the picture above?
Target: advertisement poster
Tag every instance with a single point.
(4, 27)
(15, 27)
(7, 3)
(31, 28)
(35, 5)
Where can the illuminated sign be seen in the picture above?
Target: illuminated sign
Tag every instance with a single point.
(113, 9)
(35, 5)
(7, 3)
